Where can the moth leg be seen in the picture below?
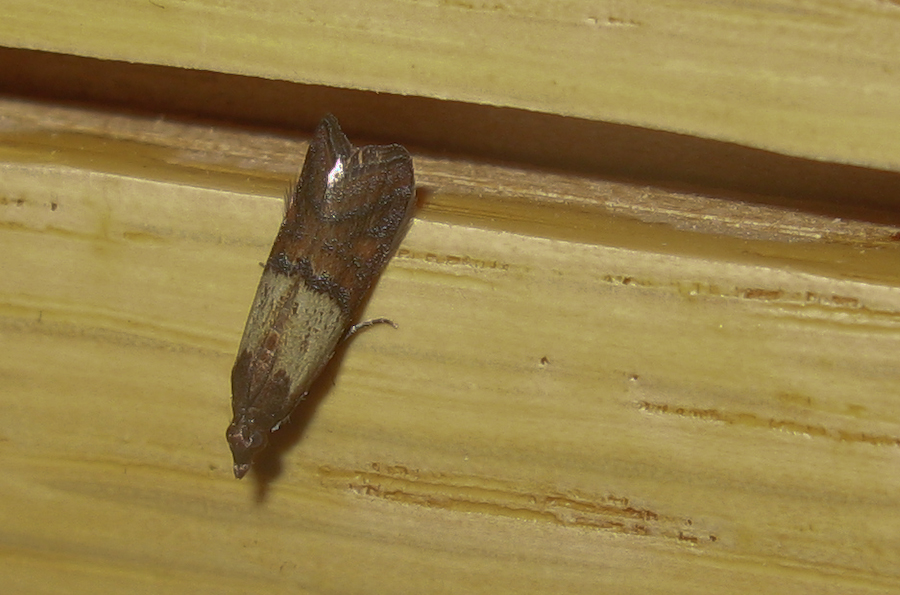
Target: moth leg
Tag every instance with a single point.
(366, 324)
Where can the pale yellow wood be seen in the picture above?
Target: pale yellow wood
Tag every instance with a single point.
(815, 79)
(593, 387)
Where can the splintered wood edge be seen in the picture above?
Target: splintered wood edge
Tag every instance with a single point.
(460, 190)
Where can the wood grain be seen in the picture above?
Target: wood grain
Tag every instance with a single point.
(593, 386)
(815, 80)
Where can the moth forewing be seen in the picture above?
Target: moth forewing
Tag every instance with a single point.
(344, 219)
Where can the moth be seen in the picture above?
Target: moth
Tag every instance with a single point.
(343, 220)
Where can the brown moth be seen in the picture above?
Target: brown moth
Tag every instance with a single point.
(343, 220)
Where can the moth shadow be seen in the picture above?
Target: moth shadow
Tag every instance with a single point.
(267, 466)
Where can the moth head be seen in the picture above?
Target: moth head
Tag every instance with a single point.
(245, 442)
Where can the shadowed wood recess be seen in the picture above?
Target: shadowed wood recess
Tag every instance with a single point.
(648, 308)
(815, 79)
(593, 385)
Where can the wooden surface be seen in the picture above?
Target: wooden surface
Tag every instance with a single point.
(815, 79)
(593, 387)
